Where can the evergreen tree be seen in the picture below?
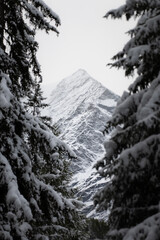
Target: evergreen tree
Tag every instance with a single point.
(35, 102)
(132, 161)
(33, 204)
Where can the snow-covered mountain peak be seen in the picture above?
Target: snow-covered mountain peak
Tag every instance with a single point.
(80, 106)
(77, 90)
(78, 79)
(80, 72)
(75, 79)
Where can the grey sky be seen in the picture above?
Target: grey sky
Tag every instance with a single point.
(86, 41)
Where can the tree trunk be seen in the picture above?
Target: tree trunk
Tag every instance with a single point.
(2, 24)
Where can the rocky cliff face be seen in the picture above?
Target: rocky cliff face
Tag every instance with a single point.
(81, 106)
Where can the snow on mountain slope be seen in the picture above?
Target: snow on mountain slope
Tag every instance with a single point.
(81, 106)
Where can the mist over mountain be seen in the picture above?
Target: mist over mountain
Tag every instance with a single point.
(80, 106)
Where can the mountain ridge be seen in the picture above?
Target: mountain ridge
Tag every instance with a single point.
(80, 106)
(77, 88)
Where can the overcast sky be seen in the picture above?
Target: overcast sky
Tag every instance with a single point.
(86, 41)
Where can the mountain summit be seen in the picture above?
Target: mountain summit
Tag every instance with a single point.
(80, 106)
(80, 88)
